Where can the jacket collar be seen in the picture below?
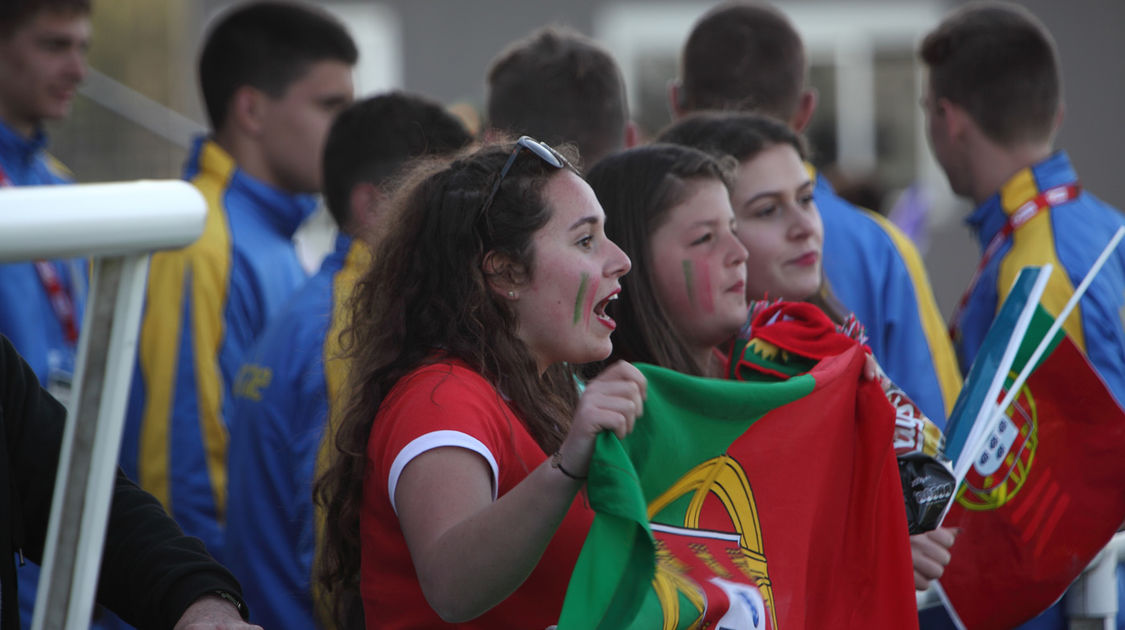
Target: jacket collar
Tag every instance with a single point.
(283, 210)
(19, 152)
(990, 217)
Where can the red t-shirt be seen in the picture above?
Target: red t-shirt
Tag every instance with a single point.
(447, 404)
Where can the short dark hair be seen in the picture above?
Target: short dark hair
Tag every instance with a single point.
(267, 45)
(16, 13)
(739, 135)
(559, 87)
(743, 56)
(999, 63)
(373, 139)
(637, 188)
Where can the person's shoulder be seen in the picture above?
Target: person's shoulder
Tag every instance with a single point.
(445, 372)
(867, 229)
(207, 254)
(56, 170)
(857, 218)
(9, 358)
(442, 400)
(1085, 222)
(442, 382)
(1105, 211)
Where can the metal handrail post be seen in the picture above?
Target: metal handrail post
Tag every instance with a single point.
(117, 224)
(92, 439)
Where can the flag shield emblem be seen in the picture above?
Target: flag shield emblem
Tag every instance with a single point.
(1004, 466)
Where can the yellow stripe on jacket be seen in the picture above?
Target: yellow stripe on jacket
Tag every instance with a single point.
(336, 377)
(1033, 245)
(941, 348)
(206, 265)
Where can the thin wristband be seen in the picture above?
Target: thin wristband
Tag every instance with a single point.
(556, 462)
(232, 599)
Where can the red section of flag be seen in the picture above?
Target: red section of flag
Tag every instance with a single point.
(1038, 508)
(833, 524)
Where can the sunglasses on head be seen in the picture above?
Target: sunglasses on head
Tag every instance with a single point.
(541, 149)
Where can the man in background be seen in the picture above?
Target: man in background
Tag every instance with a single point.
(293, 378)
(43, 46)
(993, 103)
(42, 61)
(273, 75)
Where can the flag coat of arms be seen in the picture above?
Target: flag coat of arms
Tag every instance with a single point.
(748, 505)
(1043, 497)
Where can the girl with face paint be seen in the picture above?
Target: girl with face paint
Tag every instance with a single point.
(771, 193)
(442, 503)
(669, 208)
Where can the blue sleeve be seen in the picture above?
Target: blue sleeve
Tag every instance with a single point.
(908, 353)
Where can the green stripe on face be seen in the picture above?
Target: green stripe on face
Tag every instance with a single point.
(578, 301)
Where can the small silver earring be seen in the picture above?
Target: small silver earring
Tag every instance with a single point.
(511, 294)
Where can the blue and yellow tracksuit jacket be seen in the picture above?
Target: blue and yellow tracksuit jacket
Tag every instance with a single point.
(283, 396)
(875, 270)
(1069, 236)
(205, 305)
(26, 315)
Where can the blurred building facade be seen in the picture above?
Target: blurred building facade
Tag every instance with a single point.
(141, 102)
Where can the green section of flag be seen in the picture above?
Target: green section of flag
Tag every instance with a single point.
(687, 421)
(1041, 323)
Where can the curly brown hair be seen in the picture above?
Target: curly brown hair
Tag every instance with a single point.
(427, 297)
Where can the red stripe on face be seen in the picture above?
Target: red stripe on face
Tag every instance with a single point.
(703, 290)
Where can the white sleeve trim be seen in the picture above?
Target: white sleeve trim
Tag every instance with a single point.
(438, 439)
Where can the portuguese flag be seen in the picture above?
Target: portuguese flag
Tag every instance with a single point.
(739, 505)
(1046, 494)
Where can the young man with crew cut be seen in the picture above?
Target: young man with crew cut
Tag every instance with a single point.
(273, 76)
(993, 104)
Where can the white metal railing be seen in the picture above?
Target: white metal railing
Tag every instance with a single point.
(118, 225)
(140, 109)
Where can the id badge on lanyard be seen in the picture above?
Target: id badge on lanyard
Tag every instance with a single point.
(60, 363)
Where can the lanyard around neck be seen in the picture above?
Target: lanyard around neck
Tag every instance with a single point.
(57, 293)
(1045, 200)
